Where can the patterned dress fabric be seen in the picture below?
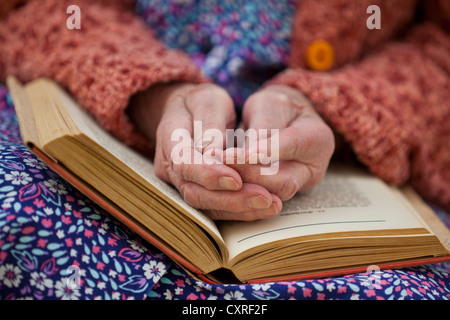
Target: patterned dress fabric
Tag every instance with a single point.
(56, 244)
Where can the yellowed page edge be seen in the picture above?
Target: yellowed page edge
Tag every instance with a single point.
(379, 210)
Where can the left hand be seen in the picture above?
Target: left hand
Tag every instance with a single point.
(305, 141)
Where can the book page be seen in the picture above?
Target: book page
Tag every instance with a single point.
(135, 161)
(344, 201)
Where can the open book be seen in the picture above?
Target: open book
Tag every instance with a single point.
(350, 221)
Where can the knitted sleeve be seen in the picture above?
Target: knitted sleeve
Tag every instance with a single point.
(6, 6)
(393, 108)
(103, 64)
(342, 23)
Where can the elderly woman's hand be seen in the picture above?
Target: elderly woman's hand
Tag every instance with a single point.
(216, 188)
(305, 142)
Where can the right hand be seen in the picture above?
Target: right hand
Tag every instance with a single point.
(215, 188)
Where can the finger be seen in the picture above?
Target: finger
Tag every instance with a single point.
(174, 137)
(174, 119)
(272, 211)
(250, 197)
(290, 177)
(212, 177)
(213, 112)
(302, 154)
(308, 137)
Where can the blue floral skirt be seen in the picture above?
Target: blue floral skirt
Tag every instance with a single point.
(56, 244)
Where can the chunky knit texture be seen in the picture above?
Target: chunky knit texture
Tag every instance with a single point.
(342, 23)
(112, 57)
(393, 108)
(390, 100)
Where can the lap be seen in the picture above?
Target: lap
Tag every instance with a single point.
(56, 244)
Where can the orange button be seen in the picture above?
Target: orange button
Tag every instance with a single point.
(320, 55)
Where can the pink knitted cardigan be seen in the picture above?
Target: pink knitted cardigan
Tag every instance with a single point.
(389, 99)
(103, 64)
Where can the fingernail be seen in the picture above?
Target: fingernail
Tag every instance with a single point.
(258, 202)
(271, 212)
(275, 209)
(228, 183)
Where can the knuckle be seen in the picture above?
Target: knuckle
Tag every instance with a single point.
(315, 176)
(315, 179)
(280, 99)
(189, 195)
(260, 97)
(287, 189)
(159, 171)
(215, 215)
(325, 138)
(293, 133)
(183, 170)
(160, 167)
(209, 91)
(319, 176)
(254, 100)
(208, 178)
(218, 97)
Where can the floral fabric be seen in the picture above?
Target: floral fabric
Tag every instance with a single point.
(56, 244)
(51, 235)
(429, 282)
(239, 44)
